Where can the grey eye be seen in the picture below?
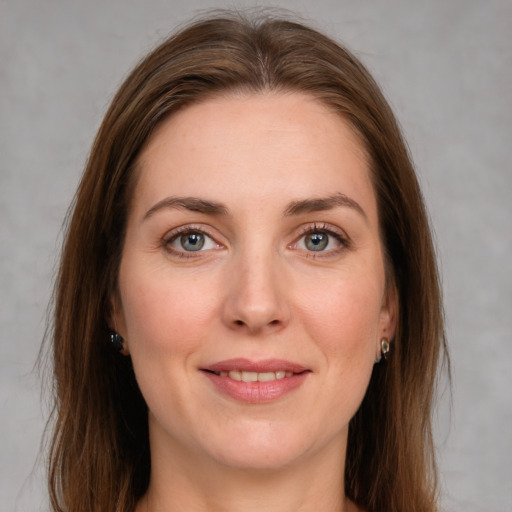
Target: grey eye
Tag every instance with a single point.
(192, 241)
(316, 241)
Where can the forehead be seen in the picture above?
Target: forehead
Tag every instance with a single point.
(254, 146)
(272, 111)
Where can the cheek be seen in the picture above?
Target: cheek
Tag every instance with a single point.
(343, 321)
(166, 320)
(343, 317)
(165, 313)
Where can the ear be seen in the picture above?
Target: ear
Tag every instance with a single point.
(115, 320)
(389, 312)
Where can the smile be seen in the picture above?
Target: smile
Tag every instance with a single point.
(255, 382)
(255, 376)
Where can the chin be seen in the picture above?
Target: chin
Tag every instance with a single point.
(270, 449)
(259, 460)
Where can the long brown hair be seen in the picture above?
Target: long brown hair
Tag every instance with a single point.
(99, 456)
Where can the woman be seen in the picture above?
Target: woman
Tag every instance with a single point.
(248, 310)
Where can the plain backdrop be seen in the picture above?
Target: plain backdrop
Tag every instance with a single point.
(446, 68)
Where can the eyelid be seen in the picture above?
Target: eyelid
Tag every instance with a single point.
(173, 234)
(333, 231)
(338, 234)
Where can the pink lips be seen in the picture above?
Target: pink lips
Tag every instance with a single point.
(256, 392)
(245, 365)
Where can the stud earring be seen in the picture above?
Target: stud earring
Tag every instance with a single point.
(384, 350)
(118, 343)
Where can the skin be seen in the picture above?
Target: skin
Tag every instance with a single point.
(257, 291)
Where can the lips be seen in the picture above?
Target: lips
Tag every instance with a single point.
(246, 365)
(256, 381)
(255, 376)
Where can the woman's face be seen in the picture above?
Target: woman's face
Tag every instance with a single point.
(252, 291)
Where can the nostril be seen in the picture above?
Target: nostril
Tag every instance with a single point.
(241, 323)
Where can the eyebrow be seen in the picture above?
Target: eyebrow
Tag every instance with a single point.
(196, 204)
(193, 204)
(322, 204)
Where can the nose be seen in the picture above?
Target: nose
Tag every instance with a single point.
(256, 299)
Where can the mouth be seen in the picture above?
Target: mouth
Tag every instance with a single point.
(244, 376)
(245, 370)
(256, 381)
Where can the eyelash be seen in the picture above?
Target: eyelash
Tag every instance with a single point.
(307, 230)
(325, 229)
(183, 230)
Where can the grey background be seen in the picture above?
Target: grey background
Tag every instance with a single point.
(446, 67)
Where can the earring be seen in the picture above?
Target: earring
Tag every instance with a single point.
(118, 343)
(384, 350)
